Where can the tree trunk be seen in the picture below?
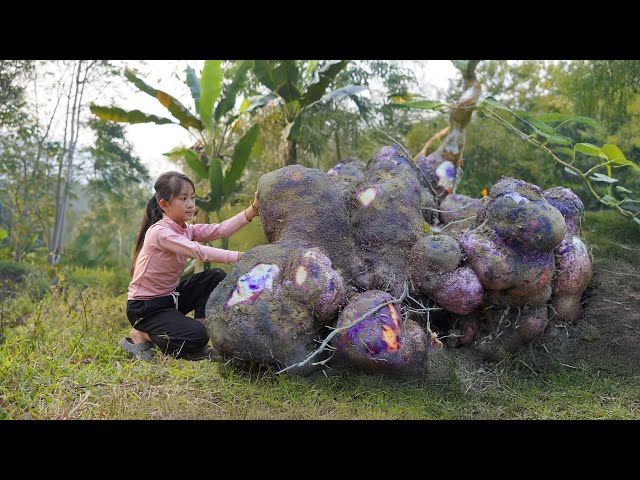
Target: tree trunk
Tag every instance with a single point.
(120, 256)
(41, 168)
(62, 196)
(453, 145)
(292, 152)
(76, 89)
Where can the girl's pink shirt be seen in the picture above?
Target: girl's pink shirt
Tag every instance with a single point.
(166, 248)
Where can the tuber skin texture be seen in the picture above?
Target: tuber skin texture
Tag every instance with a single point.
(273, 304)
(569, 205)
(435, 272)
(460, 291)
(468, 326)
(347, 175)
(386, 219)
(381, 342)
(299, 203)
(511, 250)
(510, 274)
(435, 254)
(573, 264)
(457, 208)
(519, 214)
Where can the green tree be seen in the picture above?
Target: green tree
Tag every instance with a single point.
(298, 86)
(74, 77)
(543, 132)
(339, 129)
(596, 102)
(608, 91)
(104, 236)
(41, 152)
(17, 227)
(490, 152)
(13, 74)
(26, 183)
(112, 163)
(603, 89)
(117, 189)
(552, 132)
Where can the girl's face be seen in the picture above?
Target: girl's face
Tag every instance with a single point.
(182, 206)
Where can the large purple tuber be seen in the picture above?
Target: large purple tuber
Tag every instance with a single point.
(298, 203)
(434, 267)
(459, 212)
(386, 218)
(573, 265)
(273, 305)
(380, 342)
(511, 252)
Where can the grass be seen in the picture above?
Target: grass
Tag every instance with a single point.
(612, 236)
(59, 359)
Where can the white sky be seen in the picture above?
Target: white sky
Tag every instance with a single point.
(150, 141)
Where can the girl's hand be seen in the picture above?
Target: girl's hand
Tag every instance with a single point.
(256, 204)
(252, 211)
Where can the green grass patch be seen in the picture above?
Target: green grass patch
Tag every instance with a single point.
(612, 236)
(65, 363)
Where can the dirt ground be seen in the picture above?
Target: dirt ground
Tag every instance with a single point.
(606, 336)
(604, 341)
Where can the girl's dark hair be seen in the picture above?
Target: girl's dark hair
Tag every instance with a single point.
(167, 186)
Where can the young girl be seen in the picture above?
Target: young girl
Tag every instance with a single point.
(157, 300)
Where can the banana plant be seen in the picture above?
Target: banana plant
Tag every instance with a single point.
(298, 91)
(211, 123)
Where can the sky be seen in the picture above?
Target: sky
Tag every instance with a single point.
(150, 141)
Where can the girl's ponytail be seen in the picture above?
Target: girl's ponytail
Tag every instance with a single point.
(152, 214)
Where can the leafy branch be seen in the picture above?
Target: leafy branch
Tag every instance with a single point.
(541, 134)
(609, 155)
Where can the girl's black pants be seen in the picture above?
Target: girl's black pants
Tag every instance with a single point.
(169, 327)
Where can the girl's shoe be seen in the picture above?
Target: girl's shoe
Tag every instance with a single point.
(207, 353)
(144, 350)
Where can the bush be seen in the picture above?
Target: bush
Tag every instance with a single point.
(13, 276)
(115, 282)
(12, 272)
